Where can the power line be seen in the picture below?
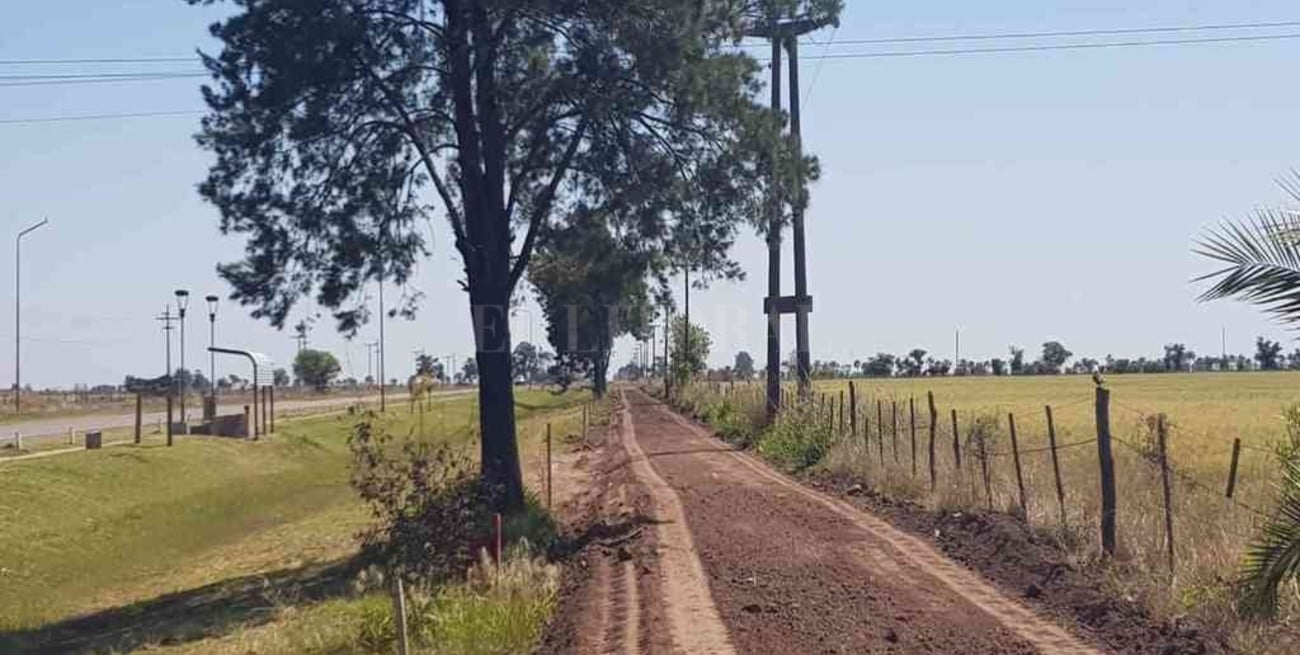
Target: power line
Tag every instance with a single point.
(116, 60)
(97, 117)
(80, 76)
(1056, 34)
(1063, 46)
(817, 70)
(99, 79)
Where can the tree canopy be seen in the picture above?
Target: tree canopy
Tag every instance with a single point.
(592, 287)
(690, 350)
(338, 126)
(316, 368)
(743, 368)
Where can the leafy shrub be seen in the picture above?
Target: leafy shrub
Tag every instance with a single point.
(983, 432)
(798, 439)
(430, 506)
(432, 511)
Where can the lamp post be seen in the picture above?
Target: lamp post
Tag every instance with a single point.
(212, 356)
(18, 370)
(182, 302)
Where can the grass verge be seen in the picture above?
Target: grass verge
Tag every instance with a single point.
(213, 542)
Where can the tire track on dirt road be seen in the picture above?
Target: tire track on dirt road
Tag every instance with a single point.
(792, 570)
(693, 619)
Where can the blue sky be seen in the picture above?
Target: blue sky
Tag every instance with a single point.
(1020, 197)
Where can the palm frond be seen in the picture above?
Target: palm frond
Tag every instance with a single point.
(1274, 557)
(1262, 263)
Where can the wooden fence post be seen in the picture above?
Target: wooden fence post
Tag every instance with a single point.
(934, 418)
(984, 466)
(1015, 455)
(911, 408)
(853, 409)
(399, 610)
(548, 465)
(880, 429)
(841, 411)
(139, 416)
(893, 431)
(1056, 463)
(956, 441)
(1107, 467)
(1164, 482)
(169, 420)
(1232, 470)
(496, 543)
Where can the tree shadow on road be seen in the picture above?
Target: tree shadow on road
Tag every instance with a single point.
(194, 614)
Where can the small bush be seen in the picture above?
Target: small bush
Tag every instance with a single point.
(798, 439)
(430, 507)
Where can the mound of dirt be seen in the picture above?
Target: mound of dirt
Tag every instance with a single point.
(1036, 569)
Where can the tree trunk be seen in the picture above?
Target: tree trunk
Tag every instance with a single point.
(499, 452)
(600, 375)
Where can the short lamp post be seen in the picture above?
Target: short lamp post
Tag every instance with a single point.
(212, 342)
(182, 302)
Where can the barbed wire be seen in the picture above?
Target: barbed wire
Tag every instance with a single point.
(1258, 449)
(1184, 477)
(1041, 449)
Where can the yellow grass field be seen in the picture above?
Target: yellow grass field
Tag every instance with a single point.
(1206, 411)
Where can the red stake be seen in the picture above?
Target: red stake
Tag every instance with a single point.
(496, 525)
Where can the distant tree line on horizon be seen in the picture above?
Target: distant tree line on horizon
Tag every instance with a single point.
(1054, 359)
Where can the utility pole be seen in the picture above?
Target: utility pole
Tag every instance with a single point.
(686, 332)
(654, 362)
(786, 32)
(956, 351)
(383, 397)
(167, 319)
(371, 347)
(18, 289)
(667, 330)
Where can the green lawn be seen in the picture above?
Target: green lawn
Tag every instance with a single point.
(114, 532)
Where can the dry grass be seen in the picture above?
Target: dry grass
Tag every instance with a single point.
(1204, 413)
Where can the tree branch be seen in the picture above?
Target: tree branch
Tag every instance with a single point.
(543, 206)
(409, 127)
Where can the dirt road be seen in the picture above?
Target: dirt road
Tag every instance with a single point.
(731, 557)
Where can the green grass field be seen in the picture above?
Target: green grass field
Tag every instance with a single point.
(243, 534)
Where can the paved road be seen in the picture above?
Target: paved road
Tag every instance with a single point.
(58, 426)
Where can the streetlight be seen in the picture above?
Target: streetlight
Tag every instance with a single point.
(183, 301)
(212, 356)
(18, 370)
